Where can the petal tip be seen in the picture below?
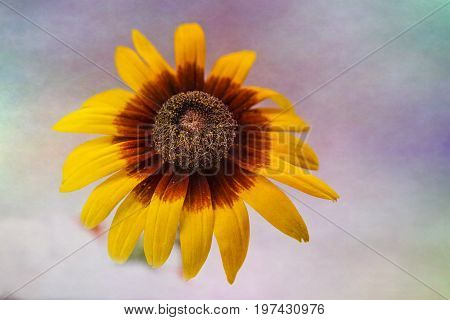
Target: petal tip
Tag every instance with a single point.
(231, 276)
(116, 259)
(64, 188)
(120, 50)
(231, 279)
(306, 237)
(136, 35)
(334, 196)
(56, 126)
(190, 273)
(114, 254)
(188, 276)
(59, 126)
(86, 222)
(251, 53)
(190, 25)
(155, 264)
(302, 236)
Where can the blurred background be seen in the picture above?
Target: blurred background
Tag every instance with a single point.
(381, 131)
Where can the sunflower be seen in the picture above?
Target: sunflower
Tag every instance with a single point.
(181, 151)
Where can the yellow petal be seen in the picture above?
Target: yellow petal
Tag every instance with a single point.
(91, 161)
(115, 99)
(293, 150)
(153, 82)
(150, 54)
(133, 71)
(276, 208)
(129, 221)
(190, 45)
(126, 228)
(275, 119)
(87, 152)
(163, 218)
(106, 196)
(190, 56)
(296, 177)
(112, 112)
(232, 231)
(87, 121)
(230, 70)
(196, 226)
(278, 98)
(103, 120)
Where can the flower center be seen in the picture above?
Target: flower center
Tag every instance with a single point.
(193, 130)
(193, 120)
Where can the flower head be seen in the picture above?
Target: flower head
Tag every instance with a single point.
(184, 153)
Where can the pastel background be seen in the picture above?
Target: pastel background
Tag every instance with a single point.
(381, 131)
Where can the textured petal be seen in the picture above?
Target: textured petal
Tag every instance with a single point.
(232, 231)
(103, 120)
(276, 208)
(100, 157)
(126, 228)
(252, 154)
(296, 177)
(154, 82)
(196, 227)
(88, 121)
(91, 161)
(163, 218)
(274, 119)
(190, 45)
(150, 54)
(129, 221)
(115, 99)
(190, 56)
(255, 144)
(133, 71)
(113, 112)
(229, 71)
(107, 195)
(293, 150)
(278, 98)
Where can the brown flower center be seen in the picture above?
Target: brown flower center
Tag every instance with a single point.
(193, 130)
(193, 120)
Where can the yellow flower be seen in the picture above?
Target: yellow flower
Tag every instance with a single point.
(186, 152)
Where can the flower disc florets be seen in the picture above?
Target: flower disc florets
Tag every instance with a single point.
(193, 130)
